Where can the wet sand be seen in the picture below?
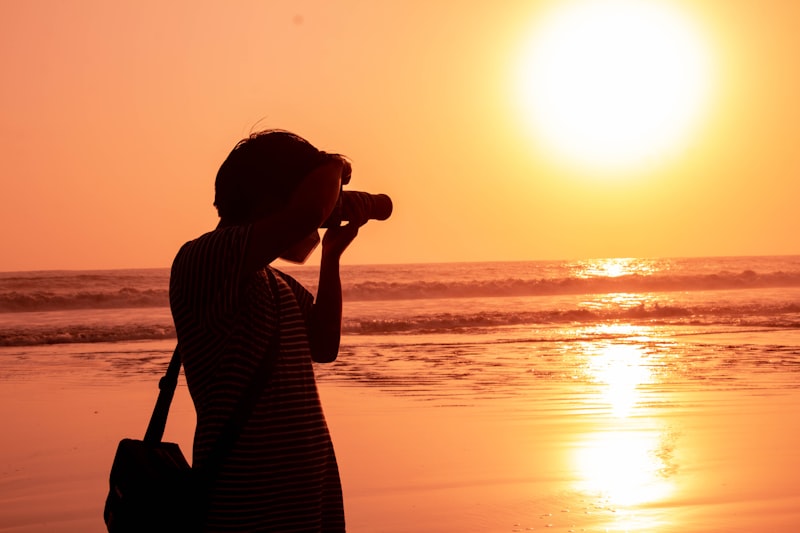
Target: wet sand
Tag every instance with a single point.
(709, 462)
(559, 460)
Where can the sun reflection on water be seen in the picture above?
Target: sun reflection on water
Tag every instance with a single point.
(615, 267)
(627, 459)
(626, 467)
(620, 370)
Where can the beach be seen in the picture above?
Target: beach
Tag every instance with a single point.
(560, 459)
(613, 395)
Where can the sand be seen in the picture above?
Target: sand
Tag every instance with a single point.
(678, 460)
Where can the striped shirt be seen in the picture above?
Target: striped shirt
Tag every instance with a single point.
(281, 474)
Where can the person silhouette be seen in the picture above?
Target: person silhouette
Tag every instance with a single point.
(232, 309)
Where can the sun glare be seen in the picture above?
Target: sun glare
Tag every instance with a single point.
(614, 85)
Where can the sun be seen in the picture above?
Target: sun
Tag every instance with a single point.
(614, 85)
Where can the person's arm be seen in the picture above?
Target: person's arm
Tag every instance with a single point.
(307, 209)
(325, 329)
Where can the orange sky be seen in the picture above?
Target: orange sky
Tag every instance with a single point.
(116, 116)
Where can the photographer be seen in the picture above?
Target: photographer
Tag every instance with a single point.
(232, 310)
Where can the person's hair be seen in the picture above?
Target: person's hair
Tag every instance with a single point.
(260, 173)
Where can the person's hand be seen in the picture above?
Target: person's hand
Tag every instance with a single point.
(338, 238)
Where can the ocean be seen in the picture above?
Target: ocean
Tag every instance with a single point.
(435, 328)
(654, 395)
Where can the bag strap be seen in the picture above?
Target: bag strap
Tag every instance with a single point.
(229, 433)
(166, 390)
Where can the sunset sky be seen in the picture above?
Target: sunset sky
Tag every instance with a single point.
(116, 116)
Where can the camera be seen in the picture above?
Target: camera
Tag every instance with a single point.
(352, 203)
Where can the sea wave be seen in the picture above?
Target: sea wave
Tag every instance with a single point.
(635, 283)
(15, 301)
(126, 297)
(777, 315)
(34, 336)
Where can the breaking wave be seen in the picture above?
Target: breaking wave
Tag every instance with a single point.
(43, 300)
(778, 315)
(547, 287)
(84, 334)
(11, 302)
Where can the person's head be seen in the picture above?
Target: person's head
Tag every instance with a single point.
(259, 175)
